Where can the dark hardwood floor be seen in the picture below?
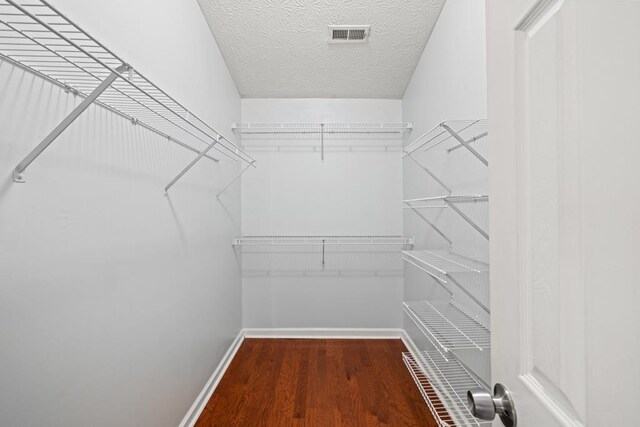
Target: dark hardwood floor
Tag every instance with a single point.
(324, 383)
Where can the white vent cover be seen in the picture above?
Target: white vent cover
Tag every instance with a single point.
(348, 33)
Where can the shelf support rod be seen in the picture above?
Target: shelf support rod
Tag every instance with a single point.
(430, 274)
(432, 225)
(465, 143)
(234, 179)
(322, 142)
(430, 174)
(469, 141)
(90, 99)
(470, 295)
(191, 164)
(453, 206)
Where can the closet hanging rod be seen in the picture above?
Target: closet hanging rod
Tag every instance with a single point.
(41, 39)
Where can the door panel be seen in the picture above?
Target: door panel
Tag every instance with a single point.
(564, 108)
(552, 317)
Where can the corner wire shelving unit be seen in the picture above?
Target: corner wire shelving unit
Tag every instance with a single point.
(443, 384)
(37, 37)
(322, 132)
(440, 374)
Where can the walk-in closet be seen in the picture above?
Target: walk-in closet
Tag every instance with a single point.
(319, 213)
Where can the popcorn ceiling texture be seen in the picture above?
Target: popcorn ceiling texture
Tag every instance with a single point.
(279, 49)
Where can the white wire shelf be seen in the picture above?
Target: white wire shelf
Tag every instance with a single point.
(439, 202)
(323, 138)
(442, 263)
(444, 385)
(453, 135)
(454, 202)
(37, 37)
(323, 240)
(322, 255)
(391, 129)
(373, 272)
(446, 267)
(447, 326)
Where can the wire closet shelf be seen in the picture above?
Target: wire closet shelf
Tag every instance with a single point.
(441, 263)
(453, 135)
(445, 267)
(447, 326)
(326, 255)
(37, 37)
(443, 384)
(353, 240)
(443, 202)
(391, 129)
(323, 137)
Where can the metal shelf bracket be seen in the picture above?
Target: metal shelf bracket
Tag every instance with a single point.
(191, 164)
(453, 206)
(38, 38)
(431, 174)
(234, 180)
(465, 143)
(90, 99)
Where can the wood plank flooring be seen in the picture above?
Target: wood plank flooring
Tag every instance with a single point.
(312, 382)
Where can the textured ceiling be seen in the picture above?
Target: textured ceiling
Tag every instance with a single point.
(278, 48)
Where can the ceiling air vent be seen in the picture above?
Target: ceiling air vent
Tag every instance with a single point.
(348, 33)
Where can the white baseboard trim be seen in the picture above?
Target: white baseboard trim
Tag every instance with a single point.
(318, 333)
(408, 342)
(324, 333)
(203, 398)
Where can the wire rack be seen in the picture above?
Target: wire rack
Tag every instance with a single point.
(447, 326)
(467, 207)
(390, 129)
(452, 135)
(322, 255)
(310, 261)
(449, 268)
(36, 36)
(441, 264)
(444, 384)
(267, 241)
(323, 137)
(439, 202)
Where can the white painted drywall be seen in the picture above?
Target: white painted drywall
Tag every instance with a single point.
(448, 84)
(116, 303)
(294, 193)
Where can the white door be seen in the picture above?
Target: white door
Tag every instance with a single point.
(564, 117)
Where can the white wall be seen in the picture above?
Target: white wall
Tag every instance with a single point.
(116, 303)
(294, 193)
(448, 84)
